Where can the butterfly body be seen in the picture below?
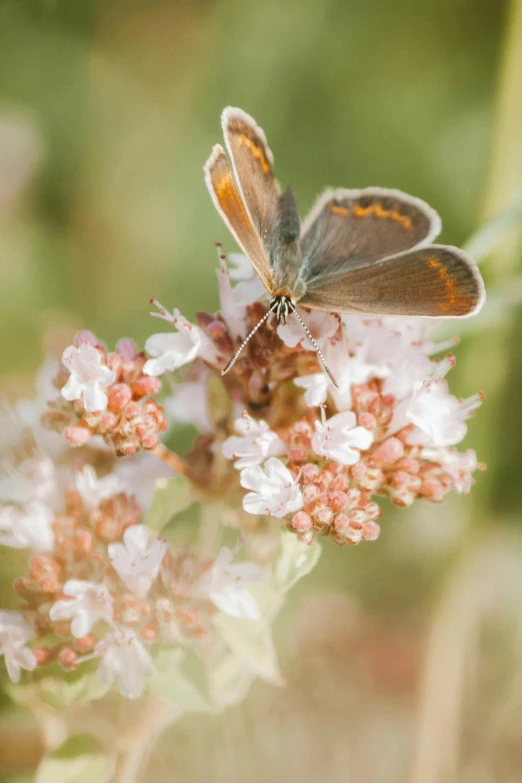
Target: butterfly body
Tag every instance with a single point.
(363, 251)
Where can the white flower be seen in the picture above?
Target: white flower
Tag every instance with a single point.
(240, 267)
(87, 604)
(275, 492)
(88, 377)
(171, 351)
(30, 528)
(339, 438)
(33, 479)
(14, 634)
(125, 658)
(316, 386)
(225, 581)
(256, 441)
(138, 561)
(437, 415)
(92, 489)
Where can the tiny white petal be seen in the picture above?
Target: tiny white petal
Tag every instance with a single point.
(256, 441)
(339, 439)
(87, 604)
(88, 377)
(137, 562)
(274, 490)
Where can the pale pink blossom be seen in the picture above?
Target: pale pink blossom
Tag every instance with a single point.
(93, 489)
(225, 584)
(29, 527)
(255, 442)
(14, 635)
(86, 604)
(438, 416)
(275, 492)
(124, 658)
(340, 439)
(316, 386)
(170, 351)
(33, 479)
(88, 377)
(137, 562)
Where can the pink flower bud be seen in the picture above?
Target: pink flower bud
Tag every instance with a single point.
(144, 385)
(388, 452)
(78, 434)
(367, 420)
(85, 643)
(341, 523)
(68, 659)
(127, 349)
(340, 483)
(118, 396)
(310, 471)
(85, 338)
(307, 537)
(337, 500)
(371, 531)
(301, 522)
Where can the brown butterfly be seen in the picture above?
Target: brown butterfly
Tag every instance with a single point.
(358, 251)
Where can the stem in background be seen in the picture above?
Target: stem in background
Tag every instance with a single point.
(135, 745)
(171, 459)
(456, 621)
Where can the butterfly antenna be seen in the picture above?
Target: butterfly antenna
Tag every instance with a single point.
(308, 334)
(247, 339)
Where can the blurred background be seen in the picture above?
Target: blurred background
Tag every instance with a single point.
(404, 657)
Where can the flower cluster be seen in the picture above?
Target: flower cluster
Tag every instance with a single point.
(277, 446)
(310, 453)
(100, 585)
(106, 394)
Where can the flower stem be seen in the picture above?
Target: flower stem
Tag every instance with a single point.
(135, 744)
(171, 459)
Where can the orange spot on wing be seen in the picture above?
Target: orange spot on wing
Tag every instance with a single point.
(449, 286)
(377, 210)
(339, 210)
(258, 154)
(383, 214)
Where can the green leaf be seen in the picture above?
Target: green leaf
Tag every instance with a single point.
(80, 758)
(295, 561)
(182, 680)
(171, 497)
(251, 641)
(62, 691)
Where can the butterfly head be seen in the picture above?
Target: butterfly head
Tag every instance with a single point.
(282, 305)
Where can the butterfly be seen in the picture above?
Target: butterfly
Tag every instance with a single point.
(363, 251)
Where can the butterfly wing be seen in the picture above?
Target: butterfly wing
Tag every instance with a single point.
(363, 225)
(437, 281)
(253, 166)
(230, 205)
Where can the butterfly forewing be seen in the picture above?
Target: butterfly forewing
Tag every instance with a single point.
(252, 162)
(229, 203)
(437, 281)
(367, 225)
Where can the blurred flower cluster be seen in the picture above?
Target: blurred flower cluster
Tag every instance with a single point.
(146, 568)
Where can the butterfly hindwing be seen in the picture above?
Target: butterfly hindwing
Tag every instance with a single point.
(363, 225)
(437, 281)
